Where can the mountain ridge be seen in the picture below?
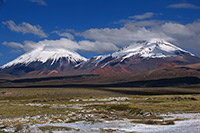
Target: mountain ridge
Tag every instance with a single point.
(146, 49)
(134, 58)
(140, 56)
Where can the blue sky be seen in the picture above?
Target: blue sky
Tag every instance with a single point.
(96, 26)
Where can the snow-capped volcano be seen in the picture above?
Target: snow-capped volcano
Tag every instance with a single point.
(43, 55)
(141, 56)
(155, 48)
(44, 61)
(137, 57)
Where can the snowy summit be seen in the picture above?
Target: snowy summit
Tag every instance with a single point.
(45, 54)
(155, 48)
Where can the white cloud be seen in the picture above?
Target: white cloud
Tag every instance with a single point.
(184, 5)
(64, 43)
(13, 44)
(125, 35)
(52, 44)
(64, 34)
(143, 16)
(186, 36)
(195, 26)
(25, 28)
(97, 47)
(39, 2)
(177, 29)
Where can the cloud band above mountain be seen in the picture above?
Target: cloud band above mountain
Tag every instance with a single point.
(186, 36)
(64, 43)
(101, 40)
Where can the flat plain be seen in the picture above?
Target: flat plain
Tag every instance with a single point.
(78, 109)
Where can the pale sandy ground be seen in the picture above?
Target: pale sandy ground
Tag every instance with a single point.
(190, 125)
(187, 123)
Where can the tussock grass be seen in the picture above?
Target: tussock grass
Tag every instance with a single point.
(145, 109)
(19, 127)
(54, 128)
(154, 122)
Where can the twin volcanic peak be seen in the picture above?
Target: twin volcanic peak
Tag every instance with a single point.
(137, 57)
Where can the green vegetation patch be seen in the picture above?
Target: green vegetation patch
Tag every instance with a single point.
(56, 105)
(54, 128)
(154, 122)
